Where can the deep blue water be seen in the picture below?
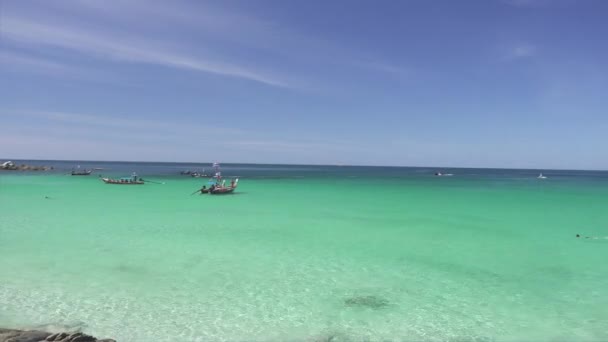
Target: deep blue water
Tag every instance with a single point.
(164, 170)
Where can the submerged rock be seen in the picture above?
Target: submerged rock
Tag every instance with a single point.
(328, 338)
(12, 335)
(367, 301)
(57, 336)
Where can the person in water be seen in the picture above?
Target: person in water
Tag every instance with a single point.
(592, 237)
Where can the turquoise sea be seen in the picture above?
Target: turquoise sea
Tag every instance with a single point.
(307, 253)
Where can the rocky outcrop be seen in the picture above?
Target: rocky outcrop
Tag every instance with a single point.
(10, 166)
(12, 335)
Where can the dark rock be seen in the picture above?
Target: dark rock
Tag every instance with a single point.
(5, 334)
(23, 167)
(23, 336)
(12, 335)
(72, 337)
(57, 337)
(83, 338)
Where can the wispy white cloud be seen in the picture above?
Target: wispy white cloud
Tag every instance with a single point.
(15, 60)
(221, 32)
(202, 16)
(117, 47)
(30, 63)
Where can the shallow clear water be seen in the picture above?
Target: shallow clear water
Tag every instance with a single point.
(307, 252)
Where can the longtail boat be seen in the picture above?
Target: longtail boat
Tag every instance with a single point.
(122, 181)
(133, 180)
(82, 173)
(221, 189)
(219, 186)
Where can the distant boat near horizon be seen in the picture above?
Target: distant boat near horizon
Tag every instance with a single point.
(82, 173)
(133, 180)
(540, 176)
(79, 172)
(194, 174)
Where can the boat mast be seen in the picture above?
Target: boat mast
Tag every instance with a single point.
(218, 173)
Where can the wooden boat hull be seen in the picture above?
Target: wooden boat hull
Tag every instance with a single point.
(221, 191)
(118, 182)
(86, 173)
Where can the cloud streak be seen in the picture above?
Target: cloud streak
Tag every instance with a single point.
(224, 34)
(31, 63)
(114, 47)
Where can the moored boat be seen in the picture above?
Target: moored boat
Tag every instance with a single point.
(222, 189)
(133, 180)
(218, 184)
(122, 181)
(82, 173)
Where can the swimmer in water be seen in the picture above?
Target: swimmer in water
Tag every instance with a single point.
(593, 237)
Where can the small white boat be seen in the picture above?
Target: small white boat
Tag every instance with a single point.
(439, 174)
(541, 176)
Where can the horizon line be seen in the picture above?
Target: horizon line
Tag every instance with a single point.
(294, 164)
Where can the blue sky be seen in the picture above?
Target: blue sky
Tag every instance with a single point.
(487, 83)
